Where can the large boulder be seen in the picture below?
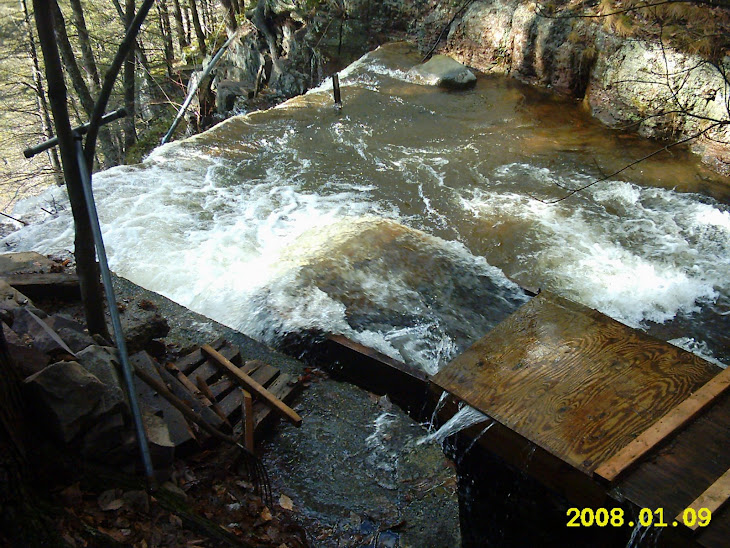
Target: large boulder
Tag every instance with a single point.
(10, 299)
(102, 362)
(141, 322)
(228, 94)
(66, 397)
(31, 326)
(443, 71)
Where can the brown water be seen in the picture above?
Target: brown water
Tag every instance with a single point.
(401, 220)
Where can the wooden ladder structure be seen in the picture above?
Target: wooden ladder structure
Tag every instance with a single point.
(237, 397)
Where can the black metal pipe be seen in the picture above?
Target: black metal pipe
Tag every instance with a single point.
(114, 313)
(80, 130)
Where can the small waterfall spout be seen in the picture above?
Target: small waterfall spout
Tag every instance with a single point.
(467, 416)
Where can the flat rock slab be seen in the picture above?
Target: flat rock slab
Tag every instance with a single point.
(26, 261)
(443, 71)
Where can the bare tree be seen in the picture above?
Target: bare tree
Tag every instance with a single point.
(178, 16)
(110, 152)
(43, 114)
(166, 32)
(86, 266)
(129, 83)
(198, 28)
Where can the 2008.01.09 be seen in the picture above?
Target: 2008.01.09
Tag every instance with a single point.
(614, 517)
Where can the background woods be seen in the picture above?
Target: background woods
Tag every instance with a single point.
(87, 35)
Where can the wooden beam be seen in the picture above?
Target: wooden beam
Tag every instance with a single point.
(664, 427)
(247, 420)
(205, 389)
(276, 404)
(714, 497)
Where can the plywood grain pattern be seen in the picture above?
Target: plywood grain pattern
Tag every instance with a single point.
(571, 380)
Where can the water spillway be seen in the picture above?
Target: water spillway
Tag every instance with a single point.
(405, 220)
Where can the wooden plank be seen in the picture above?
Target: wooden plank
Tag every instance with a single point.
(208, 371)
(666, 426)
(247, 420)
(250, 384)
(678, 471)
(405, 385)
(224, 385)
(712, 499)
(177, 388)
(196, 357)
(285, 387)
(205, 389)
(181, 434)
(571, 380)
(262, 374)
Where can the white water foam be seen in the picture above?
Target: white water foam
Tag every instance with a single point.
(636, 254)
(268, 258)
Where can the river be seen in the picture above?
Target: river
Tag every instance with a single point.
(407, 219)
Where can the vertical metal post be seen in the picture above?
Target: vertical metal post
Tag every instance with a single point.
(113, 312)
(336, 90)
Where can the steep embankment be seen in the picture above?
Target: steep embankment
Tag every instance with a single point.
(641, 84)
(638, 83)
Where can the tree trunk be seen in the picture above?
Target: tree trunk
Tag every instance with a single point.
(130, 132)
(86, 266)
(198, 29)
(20, 520)
(110, 152)
(231, 23)
(166, 30)
(87, 55)
(177, 15)
(139, 50)
(43, 114)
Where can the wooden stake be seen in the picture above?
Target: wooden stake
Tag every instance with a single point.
(259, 79)
(205, 389)
(276, 404)
(336, 90)
(247, 421)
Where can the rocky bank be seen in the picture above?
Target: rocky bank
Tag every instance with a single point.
(633, 83)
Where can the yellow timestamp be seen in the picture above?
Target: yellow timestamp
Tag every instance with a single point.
(615, 517)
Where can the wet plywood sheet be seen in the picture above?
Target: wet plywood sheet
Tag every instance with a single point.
(571, 380)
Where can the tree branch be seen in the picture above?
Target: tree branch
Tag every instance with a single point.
(109, 79)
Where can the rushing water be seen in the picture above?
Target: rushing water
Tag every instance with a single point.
(403, 220)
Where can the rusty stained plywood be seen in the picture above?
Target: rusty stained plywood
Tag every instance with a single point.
(572, 380)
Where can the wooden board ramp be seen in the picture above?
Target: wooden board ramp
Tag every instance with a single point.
(607, 411)
(202, 382)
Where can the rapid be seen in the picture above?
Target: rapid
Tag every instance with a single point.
(407, 220)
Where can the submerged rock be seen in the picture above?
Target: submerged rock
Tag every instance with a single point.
(443, 71)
